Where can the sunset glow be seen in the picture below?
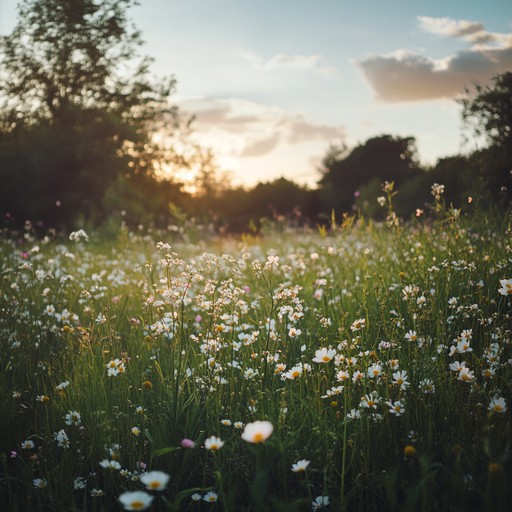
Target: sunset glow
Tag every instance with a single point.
(273, 85)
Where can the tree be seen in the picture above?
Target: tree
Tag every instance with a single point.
(487, 112)
(379, 159)
(77, 107)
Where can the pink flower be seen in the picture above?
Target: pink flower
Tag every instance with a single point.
(187, 443)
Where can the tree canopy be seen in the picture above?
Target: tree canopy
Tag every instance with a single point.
(487, 112)
(78, 107)
(380, 158)
(82, 54)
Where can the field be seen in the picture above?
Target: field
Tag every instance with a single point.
(361, 367)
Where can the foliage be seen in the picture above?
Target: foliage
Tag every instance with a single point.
(279, 201)
(78, 108)
(383, 158)
(487, 112)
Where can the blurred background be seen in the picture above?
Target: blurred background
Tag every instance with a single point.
(233, 111)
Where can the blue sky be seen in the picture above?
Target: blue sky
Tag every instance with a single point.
(274, 83)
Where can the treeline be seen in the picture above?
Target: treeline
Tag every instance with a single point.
(79, 111)
(352, 180)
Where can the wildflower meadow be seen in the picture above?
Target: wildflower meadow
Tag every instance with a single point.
(358, 367)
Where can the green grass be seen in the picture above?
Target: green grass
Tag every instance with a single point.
(201, 329)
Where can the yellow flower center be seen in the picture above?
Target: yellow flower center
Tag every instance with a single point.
(409, 451)
(258, 437)
(137, 505)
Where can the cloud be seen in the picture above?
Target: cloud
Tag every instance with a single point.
(301, 130)
(471, 31)
(448, 27)
(408, 76)
(253, 129)
(284, 61)
(257, 141)
(261, 147)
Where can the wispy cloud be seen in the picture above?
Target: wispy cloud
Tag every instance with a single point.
(283, 61)
(241, 130)
(409, 76)
(257, 128)
(261, 147)
(449, 27)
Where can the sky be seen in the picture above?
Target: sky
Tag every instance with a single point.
(274, 83)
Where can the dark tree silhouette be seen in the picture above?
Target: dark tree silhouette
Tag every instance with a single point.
(78, 108)
(379, 158)
(487, 112)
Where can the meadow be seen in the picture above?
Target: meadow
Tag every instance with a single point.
(362, 367)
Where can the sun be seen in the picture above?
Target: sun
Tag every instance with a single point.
(186, 177)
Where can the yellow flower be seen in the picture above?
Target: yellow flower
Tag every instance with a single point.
(410, 451)
(495, 468)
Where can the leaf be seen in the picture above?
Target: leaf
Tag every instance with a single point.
(165, 451)
(148, 436)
